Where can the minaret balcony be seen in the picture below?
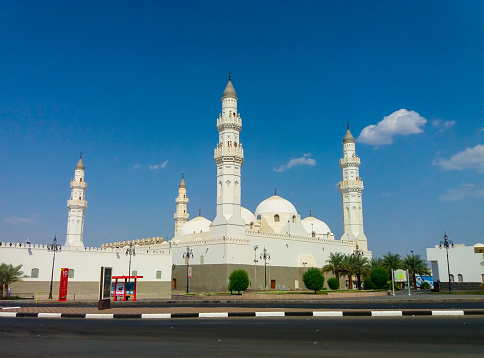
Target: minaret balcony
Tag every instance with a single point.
(349, 161)
(78, 184)
(351, 183)
(76, 203)
(229, 151)
(181, 216)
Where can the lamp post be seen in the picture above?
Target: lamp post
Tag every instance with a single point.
(131, 252)
(187, 255)
(265, 256)
(54, 247)
(446, 244)
(255, 265)
(357, 252)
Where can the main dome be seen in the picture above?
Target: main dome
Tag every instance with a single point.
(195, 226)
(275, 204)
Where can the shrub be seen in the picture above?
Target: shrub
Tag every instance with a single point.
(238, 281)
(379, 277)
(333, 283)
(313, 279)
(368, 284)
(425, 286)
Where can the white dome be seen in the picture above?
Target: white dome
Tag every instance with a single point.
(247, 216)
(478, 245)
(311, 224)
(276, 204)
(197, 225)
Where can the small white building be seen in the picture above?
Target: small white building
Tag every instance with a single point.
(466, 266)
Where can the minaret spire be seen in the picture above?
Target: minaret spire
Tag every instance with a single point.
(181, 214)
(229, 157)
(76, 206)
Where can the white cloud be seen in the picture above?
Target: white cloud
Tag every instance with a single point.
(304, 160)
(159, 166)
(136, 166)
(17, 220)
(401, 122)
(470, 158)
(443, 125)
(465, 191)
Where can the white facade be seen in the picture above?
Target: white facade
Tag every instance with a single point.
(76, 206)
(466, 263)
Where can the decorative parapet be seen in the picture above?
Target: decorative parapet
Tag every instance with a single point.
(329, 240)
(349, 161)
(78, 184)
(140, 242)
(76, 203)
(358, 183)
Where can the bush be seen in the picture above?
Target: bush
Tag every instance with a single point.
(379, 277)
(333, 283)
(425, 286)
(368, 284)
(238, 281)
(313, 279)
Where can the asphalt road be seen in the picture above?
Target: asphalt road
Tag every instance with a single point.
(240, 337)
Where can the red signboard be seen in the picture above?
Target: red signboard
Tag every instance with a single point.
(63, 284)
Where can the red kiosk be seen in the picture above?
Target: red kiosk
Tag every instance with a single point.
(125, 278)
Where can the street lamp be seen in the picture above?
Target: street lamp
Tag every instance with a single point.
(265, 256)
(131, 252)
(357, 252)
(255, 265)
(54, 247)
(447, 243)
(187, 255)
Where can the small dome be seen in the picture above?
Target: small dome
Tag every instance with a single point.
(182, 184)
(229, 91)
(197, 225)
(275, 204)
(80, 165)
(348, 138)
(478, 245)
(247, 216)
(311, 224)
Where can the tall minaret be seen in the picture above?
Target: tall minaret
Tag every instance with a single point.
(351, 188)
(181, 214)
(229, 157)
(77, 205)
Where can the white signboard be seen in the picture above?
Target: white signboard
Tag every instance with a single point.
(400, 276)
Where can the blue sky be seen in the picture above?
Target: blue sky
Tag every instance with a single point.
(136, 87)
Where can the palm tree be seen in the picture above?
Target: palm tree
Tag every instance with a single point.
(392, 262)
(354, 266)
(415, 265)
(376, 262)
(9, 274)
(334, 264)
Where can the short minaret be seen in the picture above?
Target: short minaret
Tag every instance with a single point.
(181, 213)
(351, 188)
(76, 205)
(229, 157)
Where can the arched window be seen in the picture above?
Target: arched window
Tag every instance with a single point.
(313, 234)
(251, 225)
(158, 275)
(80, 179)
(451, 278)
(460, 278)
(258, 217)
(276, 218)
(34, 273)
(134, 273)
(294, 218)
(71, 273)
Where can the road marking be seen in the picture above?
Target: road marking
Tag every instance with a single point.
(10, 308)
(386, 313)
(448, 313)
(269, 314)
(155, 315)
(99, 315)
(328, 313)
(49, 315)
(8, 314)
(213, 314)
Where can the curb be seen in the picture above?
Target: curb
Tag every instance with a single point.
(347, 313)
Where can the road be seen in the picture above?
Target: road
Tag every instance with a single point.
(242, 337)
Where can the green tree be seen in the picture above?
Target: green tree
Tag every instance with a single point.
(238, 281)
(376, 262)
(415, 266)
(313, 279)
(333, 283)
(8, 275)
(334, 264)
(379, 277)
(352, 265)
(368, 284)
(391, 262)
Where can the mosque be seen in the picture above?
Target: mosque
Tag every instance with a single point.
(273, 244)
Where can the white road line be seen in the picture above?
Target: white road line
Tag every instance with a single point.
(213, 314)
(8, 314)
(386, 313)
(99, 315)
(448, 313)
(10, 308)
(49, 315)
(269, 314)
(155, 315)
(328, 313)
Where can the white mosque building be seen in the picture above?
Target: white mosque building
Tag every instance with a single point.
(238, 238)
